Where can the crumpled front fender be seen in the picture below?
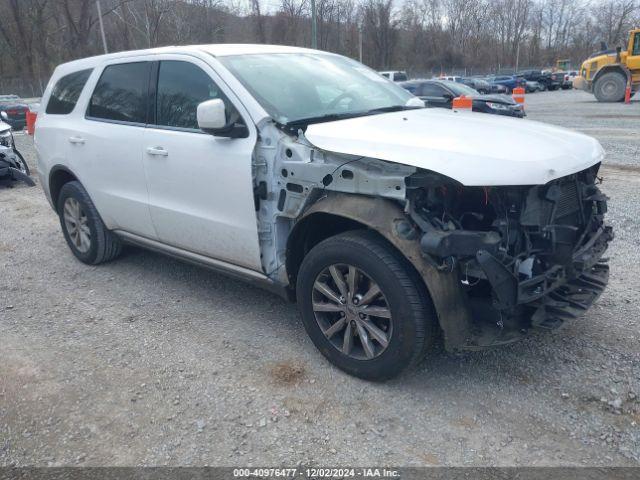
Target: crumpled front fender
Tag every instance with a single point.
(388, 219)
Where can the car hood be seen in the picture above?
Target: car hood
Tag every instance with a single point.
(475, 149)
(495, 98)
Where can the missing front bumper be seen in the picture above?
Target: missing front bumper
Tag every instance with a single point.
(510, 292)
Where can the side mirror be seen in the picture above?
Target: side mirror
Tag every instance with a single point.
(4, 115)
(211, 115)
(212, 119)
(448, 96)
(415, 102)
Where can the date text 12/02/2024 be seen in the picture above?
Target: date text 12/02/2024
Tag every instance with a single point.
(315, 472)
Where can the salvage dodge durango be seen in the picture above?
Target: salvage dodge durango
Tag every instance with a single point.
(392, 225)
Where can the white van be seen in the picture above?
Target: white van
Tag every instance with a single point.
(395, 75)
(394, 226)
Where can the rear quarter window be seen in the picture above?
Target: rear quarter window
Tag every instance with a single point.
(122, 93)
(66, 92)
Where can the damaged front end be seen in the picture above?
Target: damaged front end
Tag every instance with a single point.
(525, 256)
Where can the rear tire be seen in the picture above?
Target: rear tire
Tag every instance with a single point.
(409, 330)
(87, 236)
(610, 87)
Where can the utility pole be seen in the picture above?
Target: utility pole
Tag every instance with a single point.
(314, 25)
(360, 44)
(517, 57)
(104, 38)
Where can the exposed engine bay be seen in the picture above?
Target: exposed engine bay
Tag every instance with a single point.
(509, 257)
(527, 256)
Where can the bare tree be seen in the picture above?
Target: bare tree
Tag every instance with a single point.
(379, 27)
(422, 36)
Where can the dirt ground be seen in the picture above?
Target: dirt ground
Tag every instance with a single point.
(149, 361)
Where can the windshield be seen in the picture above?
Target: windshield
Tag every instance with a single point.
(298, 86)
(461, 88)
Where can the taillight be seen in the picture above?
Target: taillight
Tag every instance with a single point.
(553, 77)
(12, 112)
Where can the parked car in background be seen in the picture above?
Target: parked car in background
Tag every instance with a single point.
(508, 81)
(545, 78)
(568, 79)
(16, 111)
(395, 75)
(563, 78)
(553, 79)
(440, 93)
(450, 78)
(498, 89)
(532, 86)
(479, 84)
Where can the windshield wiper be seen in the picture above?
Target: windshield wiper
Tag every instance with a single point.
(330, 117)
(392, 108)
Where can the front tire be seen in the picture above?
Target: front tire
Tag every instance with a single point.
(610, 87)
(87, 236)
(364, 306)
(22, 163)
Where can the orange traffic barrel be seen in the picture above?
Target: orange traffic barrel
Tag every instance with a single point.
(31, 122)
(462, 103)
(518, 95)
(627, 91)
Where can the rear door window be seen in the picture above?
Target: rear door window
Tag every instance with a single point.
(122, 93)
(66, 92)
(410, 88)
(432, 90)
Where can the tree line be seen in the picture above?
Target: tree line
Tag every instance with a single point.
(424, 37)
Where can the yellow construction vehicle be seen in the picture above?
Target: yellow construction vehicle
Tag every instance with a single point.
(607, 73)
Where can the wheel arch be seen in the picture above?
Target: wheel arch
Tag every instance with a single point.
(338, 212)
(58, 176)
(616, 68)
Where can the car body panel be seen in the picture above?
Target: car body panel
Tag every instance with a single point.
(111, 163)
(190, 188)
(471, 148)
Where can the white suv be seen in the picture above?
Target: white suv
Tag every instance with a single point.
(306, 172)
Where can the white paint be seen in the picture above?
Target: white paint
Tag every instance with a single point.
(211, 114)
(194, 191)
(472, 148)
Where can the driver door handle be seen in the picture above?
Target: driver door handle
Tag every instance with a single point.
(157, 152)
(76, 140)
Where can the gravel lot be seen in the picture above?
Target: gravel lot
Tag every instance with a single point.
(148, 361)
